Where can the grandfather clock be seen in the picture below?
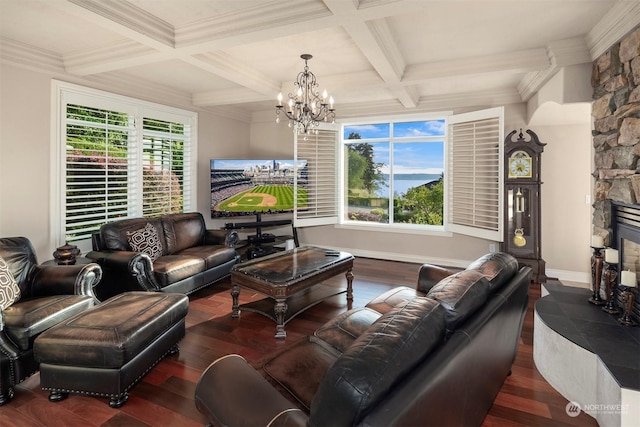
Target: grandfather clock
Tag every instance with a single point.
(522, 201)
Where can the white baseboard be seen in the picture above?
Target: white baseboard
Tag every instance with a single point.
(571, 276)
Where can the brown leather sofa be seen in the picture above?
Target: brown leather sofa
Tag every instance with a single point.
(49, 294)
(434, 355)
(170, 253)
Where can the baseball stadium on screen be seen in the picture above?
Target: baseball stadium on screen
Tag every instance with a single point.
(249, 187)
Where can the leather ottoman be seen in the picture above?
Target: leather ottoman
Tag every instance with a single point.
(107, 349)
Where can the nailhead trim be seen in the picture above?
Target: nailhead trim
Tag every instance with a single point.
(126, 389)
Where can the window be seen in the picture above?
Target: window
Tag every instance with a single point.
(438, 173)
(118, 158)
(394, 172)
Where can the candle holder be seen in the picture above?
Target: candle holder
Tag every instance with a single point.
(596, 275)
(66, 255)
(627, 296)
(610, 276)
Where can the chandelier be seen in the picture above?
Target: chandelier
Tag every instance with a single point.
(306, 109)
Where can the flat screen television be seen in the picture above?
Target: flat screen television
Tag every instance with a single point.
(256, 186)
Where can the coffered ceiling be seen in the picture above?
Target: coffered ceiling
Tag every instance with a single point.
(371, 55)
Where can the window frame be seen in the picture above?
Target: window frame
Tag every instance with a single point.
(64, 93)
(394, 227)
(448, 228)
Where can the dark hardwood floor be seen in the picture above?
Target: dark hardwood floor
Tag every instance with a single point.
(165, 396)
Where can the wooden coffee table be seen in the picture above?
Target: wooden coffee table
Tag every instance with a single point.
(292, 281)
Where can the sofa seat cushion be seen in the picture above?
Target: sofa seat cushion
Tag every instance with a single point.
(461, 295)
(213, 255)
(299, 369)
(170, 269)
(376, 361)
(497, 267)
(25, 320)
(340, 332)
(385, 302)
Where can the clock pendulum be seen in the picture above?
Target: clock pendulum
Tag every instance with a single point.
(518, 238)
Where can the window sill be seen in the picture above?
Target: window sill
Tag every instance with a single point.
(402, 229)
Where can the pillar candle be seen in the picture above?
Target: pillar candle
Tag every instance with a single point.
(597, 241)
(611, 256)
(628, 278)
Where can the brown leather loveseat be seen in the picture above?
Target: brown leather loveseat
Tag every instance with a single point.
(170, 253)
(436, 355)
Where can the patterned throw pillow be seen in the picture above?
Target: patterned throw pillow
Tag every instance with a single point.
(146, 240)
(9, 289)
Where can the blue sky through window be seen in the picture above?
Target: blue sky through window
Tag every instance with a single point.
(408, 157)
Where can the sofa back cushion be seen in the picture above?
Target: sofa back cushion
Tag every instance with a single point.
(134, 234)
(183, 231)
(376, 361)
(460, 294)
(497, 267)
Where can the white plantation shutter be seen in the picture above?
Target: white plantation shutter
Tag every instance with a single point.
(320, 152)
(475, 167)
(98, 179)
(166, 174)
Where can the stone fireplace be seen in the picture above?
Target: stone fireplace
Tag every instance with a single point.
(616, 141)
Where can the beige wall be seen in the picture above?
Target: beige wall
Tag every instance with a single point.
(25, 156)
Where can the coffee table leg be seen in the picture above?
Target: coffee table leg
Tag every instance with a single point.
(235, 308)
(349, 275)
(280, 309)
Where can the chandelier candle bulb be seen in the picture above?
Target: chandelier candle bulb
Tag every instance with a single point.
(597, 241)
(628, 278)
(280, 99)
(611, 256)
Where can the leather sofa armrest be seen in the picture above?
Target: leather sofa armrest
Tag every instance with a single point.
(122, 265)
(229, 238)
(232, 393)
(430, 274)
(66, 280)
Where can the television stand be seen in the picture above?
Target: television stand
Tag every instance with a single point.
(261, 244)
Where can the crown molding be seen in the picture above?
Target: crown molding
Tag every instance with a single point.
(216, 32)
(622, 18)
(124, 18)
(222, 97)
(459, 101)
(561, 53)
(224, 66)
(123, 54)
(27, 56)
(520, 61)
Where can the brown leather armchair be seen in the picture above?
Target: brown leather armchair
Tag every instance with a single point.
(48, 296)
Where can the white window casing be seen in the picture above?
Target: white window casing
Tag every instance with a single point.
(156, 139)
